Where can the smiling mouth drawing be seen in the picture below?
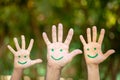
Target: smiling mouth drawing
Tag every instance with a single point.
(22, 62)
(56, 58)
(93, 56)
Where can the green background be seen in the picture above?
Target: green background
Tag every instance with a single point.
(33, 17)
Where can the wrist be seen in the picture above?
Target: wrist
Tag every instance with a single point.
(53, 68)
(53, 73)
(92, 66)
(93, 72)
(17, 73)
(18, 69)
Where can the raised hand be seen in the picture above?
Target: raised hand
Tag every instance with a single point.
(92, 48)
(22, 55)
(58, 54)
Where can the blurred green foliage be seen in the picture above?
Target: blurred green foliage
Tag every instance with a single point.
(32, 17)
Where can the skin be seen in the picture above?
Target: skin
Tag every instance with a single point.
(57, 52)
(22, 58)
(93, 53)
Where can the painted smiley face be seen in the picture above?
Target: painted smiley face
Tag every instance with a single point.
(59, 58)
(21, 62)
(94, 56)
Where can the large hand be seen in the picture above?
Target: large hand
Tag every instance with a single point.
(58, 54)
(22, 56)
(92, 49)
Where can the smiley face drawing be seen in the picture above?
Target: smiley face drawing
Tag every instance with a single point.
(92, 50)
(22, 62)
(92, 47)
(94, 56)
(57, 50)
(53, 50)
(58, 54)
(22, 55)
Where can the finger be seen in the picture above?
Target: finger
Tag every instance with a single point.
(60, 32)
(16, 44)
(69, 37)
(94, 33)
(82, 40)
(23, 41)
(54, 37)
(11, 49)
(46, 38)
(30, 45)
(108, 53)
(35, 61)
(75, 52)
(102, 33)
(89, 35)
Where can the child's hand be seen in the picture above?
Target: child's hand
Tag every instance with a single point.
(22, 55)
(58, 54)
(92, 49)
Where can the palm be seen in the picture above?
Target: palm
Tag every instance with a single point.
(22, 55)
(58, 54)
(92, 49)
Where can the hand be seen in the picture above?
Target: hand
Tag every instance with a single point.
(58, 54)
(22, 56)
(92, 49)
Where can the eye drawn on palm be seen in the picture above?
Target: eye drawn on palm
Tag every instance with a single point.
(58, 54)
(22, 56)
(92, 49)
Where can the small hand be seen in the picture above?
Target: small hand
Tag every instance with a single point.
(22, 56)
(58, 54)
(92, 49)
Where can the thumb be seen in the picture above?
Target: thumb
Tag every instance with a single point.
(36, 61)
(108, 53)
(75, 52)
